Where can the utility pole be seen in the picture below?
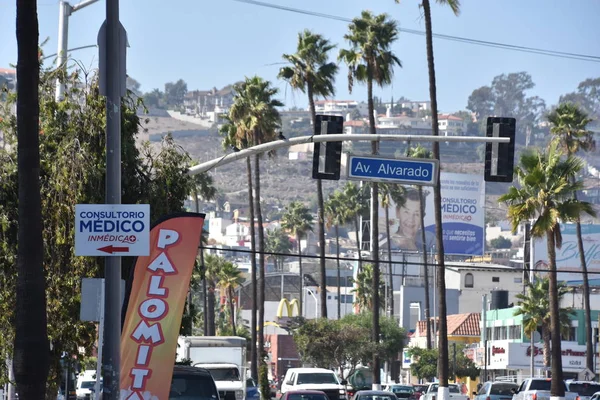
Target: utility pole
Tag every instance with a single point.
(64, 12)
(112, 40)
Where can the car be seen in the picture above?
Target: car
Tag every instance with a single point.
(252, 390)
(401, 391)
(304, 395)
(584, 389)
(320, 379)
(374, 395)
(495, 391)
(419, 390)
(190, 383)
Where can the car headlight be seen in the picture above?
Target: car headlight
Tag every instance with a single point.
(239, 395)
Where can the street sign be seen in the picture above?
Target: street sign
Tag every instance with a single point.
(415, 171)
(585, 375)
(112, 230)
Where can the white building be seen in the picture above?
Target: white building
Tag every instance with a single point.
(340, 107)
(450, 125)
(217, 228)
(473, 280)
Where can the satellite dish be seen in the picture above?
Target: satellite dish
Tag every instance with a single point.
(537, 337)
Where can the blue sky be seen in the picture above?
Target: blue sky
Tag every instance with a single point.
(215, 42)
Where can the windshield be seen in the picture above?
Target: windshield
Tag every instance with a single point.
(319, 377)
(585, 388)
(503, 388)
(88, 384)
(540, 384)
(451, 388)
(377, 397)
(192, 387)
(420, 388)
(402, 389)
(224, 374)
(298, 396)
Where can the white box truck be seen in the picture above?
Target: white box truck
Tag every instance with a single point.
(223, 356)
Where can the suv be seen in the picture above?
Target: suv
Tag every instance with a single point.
(584, 389)
(320, 379)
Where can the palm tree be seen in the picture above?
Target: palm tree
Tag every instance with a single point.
(256, 111)
(203, 187)
(298, 221)
(390, 193)
(336, 214)
(569, 124)
(363, 292)
(370, 60)
(312, 73)
(355, 204)
(535, 308)
(212, 267)
(443, 360)
(31, 355)
(421, 152)
(546, 196)
(277, 243)
(232, 138)
(229, 277)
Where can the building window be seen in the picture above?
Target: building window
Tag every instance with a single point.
(514, 332)
(469, 280)
(495, 279)
(500, 333)
(572, 336)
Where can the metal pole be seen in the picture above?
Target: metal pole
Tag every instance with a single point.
(112, 271)
(64, 11)
(100, 342)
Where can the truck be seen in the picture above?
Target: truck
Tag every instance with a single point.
(539, 389)
(223, 356)
(432, 392)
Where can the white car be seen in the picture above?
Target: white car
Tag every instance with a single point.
(320, 379)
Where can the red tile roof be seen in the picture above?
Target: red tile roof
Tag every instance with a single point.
(458, 325)
(449, 117)
(355, 123)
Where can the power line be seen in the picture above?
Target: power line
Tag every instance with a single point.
(449, 264)
(485, 43)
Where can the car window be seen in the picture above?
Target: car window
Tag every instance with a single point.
(193, 387)
(250, 382)
(402, 389)
(88, 384)
(584, 388)
(453, 389)
(483, 390)
(503, 388)
(300, 396)
(317, 377)
(225, 374)
(540, 384)
(376, 397)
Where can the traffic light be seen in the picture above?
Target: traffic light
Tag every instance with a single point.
(327, 156)
(500, 157)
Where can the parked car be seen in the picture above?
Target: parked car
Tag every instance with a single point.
(496, 391)
(374, 395)
(584, 389)
(304, 395)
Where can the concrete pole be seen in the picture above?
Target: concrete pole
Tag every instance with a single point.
(112, 268)
(64, 11)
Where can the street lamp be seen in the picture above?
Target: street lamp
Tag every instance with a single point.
(310, 292)
(64, 12)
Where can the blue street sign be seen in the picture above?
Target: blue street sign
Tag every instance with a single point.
(415, 171)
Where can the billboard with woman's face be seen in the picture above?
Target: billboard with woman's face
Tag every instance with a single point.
(463, 216)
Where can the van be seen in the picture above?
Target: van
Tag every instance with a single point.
(86, 381)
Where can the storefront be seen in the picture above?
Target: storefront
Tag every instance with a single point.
(514, 359)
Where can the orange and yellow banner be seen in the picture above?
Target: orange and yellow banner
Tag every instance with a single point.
(160, 285)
